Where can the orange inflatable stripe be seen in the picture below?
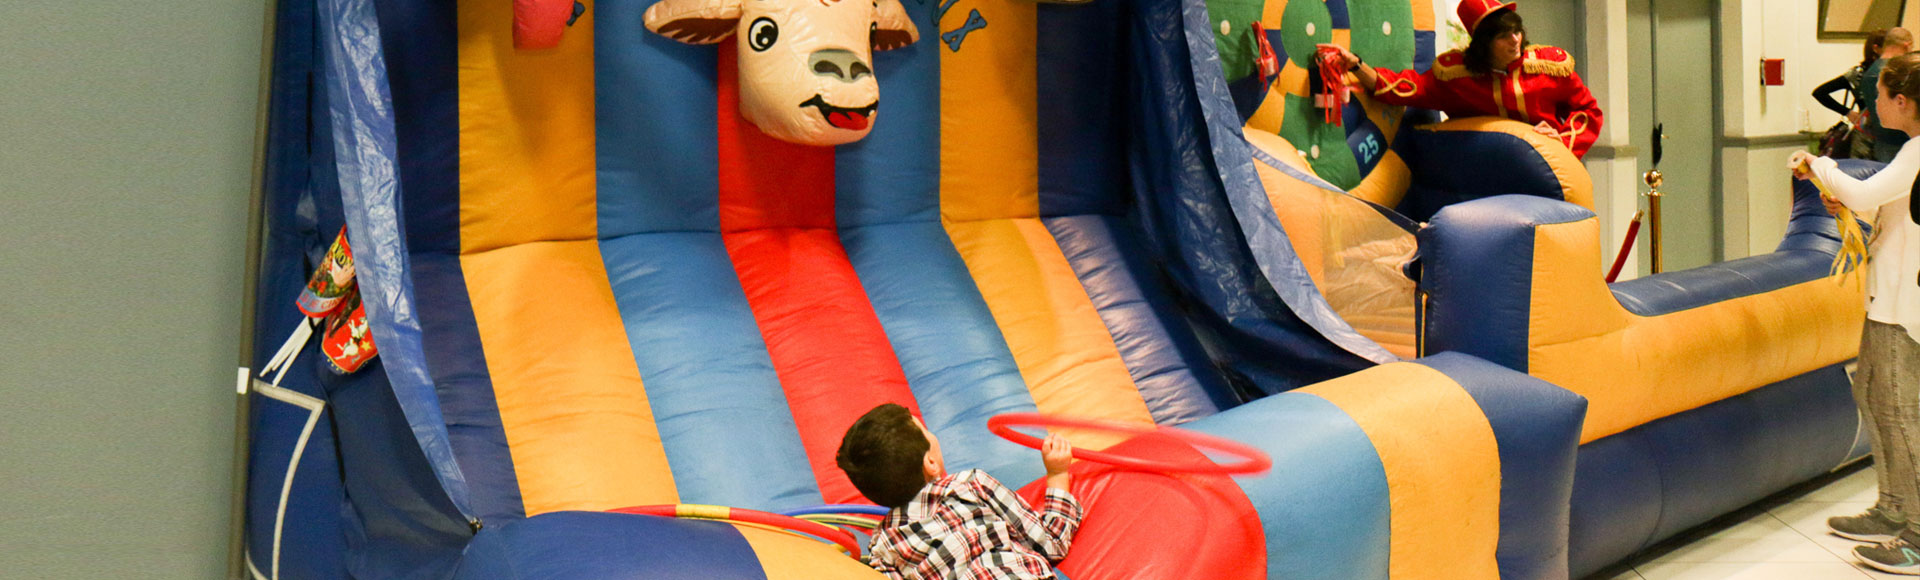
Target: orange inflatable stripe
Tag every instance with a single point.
(1627, 366)
(526, 133)
(1443, 468)
(1063, 349)
(575, 414)
(785, 556)
(989, 202)
(989, 126)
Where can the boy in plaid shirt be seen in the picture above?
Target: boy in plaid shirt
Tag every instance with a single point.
(962, 526)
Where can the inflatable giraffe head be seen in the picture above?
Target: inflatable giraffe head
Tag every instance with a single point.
(806, 66)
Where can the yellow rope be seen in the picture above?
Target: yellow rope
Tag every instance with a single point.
(1853, 241)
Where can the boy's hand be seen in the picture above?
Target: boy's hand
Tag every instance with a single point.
(1057, 453)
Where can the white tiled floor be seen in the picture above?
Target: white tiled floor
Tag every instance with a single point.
(1785, 541)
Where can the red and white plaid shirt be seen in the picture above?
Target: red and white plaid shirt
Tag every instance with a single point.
(969, 526)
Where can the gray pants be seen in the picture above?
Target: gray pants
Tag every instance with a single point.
(1886, 386)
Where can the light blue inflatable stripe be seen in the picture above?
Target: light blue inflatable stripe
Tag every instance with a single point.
(1323, 507)
(724, 422)
(951, 350)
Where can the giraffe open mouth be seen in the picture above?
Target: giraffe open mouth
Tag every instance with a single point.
(849, 118)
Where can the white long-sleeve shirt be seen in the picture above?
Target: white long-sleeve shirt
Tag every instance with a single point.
(1894, 254)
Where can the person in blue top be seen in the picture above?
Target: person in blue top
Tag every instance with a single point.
(1859, 144)
(1886, 142)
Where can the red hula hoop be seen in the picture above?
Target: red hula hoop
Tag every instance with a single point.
(1256, 461)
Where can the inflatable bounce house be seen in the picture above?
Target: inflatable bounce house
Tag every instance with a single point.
(575, 290)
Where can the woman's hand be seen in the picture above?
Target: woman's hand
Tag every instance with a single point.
(1349, 61)
(1801, 164)
(1833, 205)
(1544, 129)
(1345, 58)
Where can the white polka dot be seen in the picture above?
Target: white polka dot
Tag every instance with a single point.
(1226, 28)
(1316, 151)
(1386, 29)
(1309, 29)
(1303, 154)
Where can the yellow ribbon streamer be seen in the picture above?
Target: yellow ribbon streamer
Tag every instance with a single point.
(1853, 241)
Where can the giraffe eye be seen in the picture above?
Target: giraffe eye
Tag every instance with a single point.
(762, 34)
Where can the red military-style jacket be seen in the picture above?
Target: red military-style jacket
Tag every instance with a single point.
(1538, 86)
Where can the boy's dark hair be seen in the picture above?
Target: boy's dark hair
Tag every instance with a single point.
(881, 454)
(1478, 57)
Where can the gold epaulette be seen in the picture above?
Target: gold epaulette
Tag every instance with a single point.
(1547, 60)
(1450, 65)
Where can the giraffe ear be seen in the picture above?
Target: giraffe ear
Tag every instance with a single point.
(693, 21)
(891, 27)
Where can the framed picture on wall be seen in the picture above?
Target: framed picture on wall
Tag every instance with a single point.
(1856, 18)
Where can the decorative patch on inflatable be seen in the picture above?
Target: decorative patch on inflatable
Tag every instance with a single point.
(1396, 34)
(347, 341)
(1233, 32)
(1323, 145)
(1382, 33)
(331, 282)
(953, 38)
(538, 24)
(1304, 25)
(332, 296)
(806, 66)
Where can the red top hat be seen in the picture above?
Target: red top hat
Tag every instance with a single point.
(1473, 11)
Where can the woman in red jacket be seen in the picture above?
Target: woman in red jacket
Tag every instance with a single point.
(1498, 74)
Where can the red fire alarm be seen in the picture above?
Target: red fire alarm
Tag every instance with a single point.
(1773, 72)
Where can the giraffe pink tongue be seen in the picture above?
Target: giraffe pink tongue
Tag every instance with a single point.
(848, 121)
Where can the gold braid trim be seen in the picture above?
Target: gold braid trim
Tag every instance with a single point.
(1400, 87)
(1534, 64)
(1450, 65)
(1576, 124)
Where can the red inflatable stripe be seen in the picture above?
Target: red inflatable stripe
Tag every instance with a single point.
(826, 343)
(1143, 525)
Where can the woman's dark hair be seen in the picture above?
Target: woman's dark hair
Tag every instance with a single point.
(1479, 54)
(881, 454)
(1871, 50)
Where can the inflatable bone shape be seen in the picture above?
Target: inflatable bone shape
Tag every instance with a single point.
(806, 66)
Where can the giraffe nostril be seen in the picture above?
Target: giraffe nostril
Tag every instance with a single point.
(839, 64)
(828, 68)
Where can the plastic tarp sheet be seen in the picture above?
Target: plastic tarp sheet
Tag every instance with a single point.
(1354, 251)
(361, 112)
(1265, 234)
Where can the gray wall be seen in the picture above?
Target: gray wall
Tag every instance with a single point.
(1683, 101)
(126, 136)
(1555, 23)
